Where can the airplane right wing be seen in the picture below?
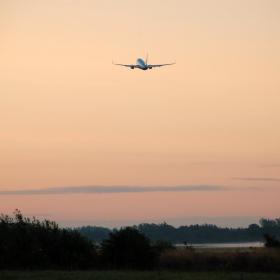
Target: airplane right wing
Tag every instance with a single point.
(160, 65)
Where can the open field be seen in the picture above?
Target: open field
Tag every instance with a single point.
(133, 275)
(221, 259)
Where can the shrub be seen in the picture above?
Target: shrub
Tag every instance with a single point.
(271, 241)
(127, 249)
(161, 246)
(32, 244)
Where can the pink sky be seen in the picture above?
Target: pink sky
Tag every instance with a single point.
(69, 118)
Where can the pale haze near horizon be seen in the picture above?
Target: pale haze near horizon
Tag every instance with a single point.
(68, 117)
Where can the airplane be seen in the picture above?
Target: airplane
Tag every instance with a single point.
(143, 65)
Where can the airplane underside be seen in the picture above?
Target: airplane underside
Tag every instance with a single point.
(143, 65)
(141, 68)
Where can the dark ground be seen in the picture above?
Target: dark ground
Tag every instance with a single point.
(133, 275)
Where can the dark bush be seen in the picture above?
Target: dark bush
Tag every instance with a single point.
(161, 246)
(271, 241)
(32, 244)
(127, 249)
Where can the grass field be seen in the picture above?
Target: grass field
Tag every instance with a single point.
(133, 275)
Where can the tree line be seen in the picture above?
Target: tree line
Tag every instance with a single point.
(205, 233)
(33, 244)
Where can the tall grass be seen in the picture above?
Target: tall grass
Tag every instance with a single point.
(261, 260)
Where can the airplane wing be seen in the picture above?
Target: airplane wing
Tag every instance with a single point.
(160, 65)
(127, 65)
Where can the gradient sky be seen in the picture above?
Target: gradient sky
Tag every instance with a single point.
(210, 124)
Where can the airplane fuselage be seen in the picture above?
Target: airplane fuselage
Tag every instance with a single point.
(141, 64)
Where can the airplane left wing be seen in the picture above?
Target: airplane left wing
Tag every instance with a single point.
(126, 65)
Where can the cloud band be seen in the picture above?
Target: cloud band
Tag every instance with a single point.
(114, 189)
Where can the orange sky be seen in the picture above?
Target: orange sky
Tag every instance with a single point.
(68, 117)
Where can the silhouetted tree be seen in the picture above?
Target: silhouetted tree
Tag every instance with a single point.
(128, 249)
(29, 243)
(271, 241)
(96, 234)
(161, 246)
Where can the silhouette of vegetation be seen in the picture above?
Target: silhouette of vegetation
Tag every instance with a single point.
(96, 234)
(194, 233)
(271, 242)
(127, 249)
(161, 246)
(32, 244)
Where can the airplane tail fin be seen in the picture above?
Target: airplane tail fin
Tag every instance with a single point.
(147, 56)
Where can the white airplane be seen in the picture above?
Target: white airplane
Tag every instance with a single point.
(143, 65)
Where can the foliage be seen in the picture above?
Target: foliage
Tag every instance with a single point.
(129, 249)
(32, 244)
(161, 246)
(99, 233)
(194, 233)
(271, 242)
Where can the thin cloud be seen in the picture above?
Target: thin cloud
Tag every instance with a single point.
(262, 179)
(115, 189)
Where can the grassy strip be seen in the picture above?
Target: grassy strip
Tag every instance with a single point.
(133, 275)
(253, 260)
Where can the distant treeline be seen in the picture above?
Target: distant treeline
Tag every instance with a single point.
(194, 233)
